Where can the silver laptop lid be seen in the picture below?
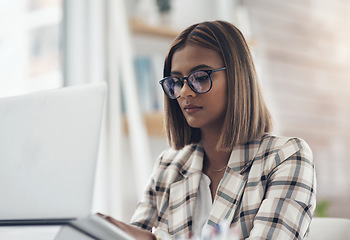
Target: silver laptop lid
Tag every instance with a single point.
(48, 152)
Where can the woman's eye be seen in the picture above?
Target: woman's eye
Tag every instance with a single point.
(202, 78)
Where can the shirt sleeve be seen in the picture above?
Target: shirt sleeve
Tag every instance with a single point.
(146, 213)
(290, 197)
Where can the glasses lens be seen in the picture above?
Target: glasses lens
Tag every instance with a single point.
(200, 81)
(172, 87)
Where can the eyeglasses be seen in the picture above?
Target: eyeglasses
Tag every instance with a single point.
(199, 81)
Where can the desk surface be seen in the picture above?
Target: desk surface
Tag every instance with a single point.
(29, 232)
(56, 232)
(92, 227)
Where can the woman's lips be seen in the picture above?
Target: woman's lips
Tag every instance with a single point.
(191, 109)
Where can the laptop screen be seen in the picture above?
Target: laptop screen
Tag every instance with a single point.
(48, 152)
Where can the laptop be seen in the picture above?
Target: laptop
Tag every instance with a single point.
(49, 144)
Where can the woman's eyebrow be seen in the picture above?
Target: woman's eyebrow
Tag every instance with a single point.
(175, 73)
(199, 67)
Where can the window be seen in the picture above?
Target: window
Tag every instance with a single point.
(30, 46)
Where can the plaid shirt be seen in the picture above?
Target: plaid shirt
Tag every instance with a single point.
(267, 191)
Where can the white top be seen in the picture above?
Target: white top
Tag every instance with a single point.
(202, 209)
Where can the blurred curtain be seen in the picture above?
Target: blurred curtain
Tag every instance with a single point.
(97, 47)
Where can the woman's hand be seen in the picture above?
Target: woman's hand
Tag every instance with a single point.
(135, 232)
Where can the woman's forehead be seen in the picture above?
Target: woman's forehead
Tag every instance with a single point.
(190, 56)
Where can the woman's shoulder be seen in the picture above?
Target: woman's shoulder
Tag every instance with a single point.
(273, 142)
(172, 156)
(270, 141)
(173, 162)
(279, 148)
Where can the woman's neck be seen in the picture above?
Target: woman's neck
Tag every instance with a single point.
(214, 159)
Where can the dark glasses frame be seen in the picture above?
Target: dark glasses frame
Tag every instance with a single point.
(182, 80)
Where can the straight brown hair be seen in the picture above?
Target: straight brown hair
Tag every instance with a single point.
(247, 116)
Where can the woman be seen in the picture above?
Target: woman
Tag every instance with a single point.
(223, 165)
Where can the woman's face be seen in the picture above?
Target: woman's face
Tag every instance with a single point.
(204, 111)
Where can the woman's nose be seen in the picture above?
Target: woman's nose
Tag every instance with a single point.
(186, 91)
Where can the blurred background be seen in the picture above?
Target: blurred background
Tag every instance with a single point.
(301, 49)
